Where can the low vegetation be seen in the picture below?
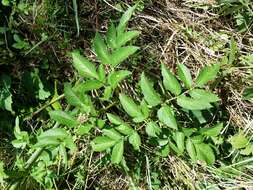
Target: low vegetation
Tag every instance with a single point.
(126, 94)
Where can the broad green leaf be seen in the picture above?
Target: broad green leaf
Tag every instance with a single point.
(166, 116)
(57, 133)
(205, 153)
(179, 139)
(130, 106)
(238, 141)
(111, 36)
(45, 142)
(191, 150)
(152, 129)
(124, 129)
(126, 37)
(144, 108)
(69, 143)
(101, 73)
(63, 118)
(197, 139)
(135, 140)
(5, 94)
(112, 134)
(102, 143)
(116, 77)
(184, 75)
(121, 54)
(90, 85)
(165, 150)
(213, 131)
(107, 93)
(150, 95)
(55, 137)
(83, 66)
(74, 99)
(117, 152)
(84, 129)
(139, 119)
(114, 119)
(248, 150)
(170, 82)
(100, 123)
(101, 49)
(124, 20)
(208, 73)
(188, 131)
(193, 104)
(204, 95)
(163, 142)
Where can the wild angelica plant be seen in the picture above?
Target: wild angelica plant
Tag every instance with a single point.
(98, 107)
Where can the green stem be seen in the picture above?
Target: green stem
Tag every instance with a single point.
(76, 17)
(45, 106)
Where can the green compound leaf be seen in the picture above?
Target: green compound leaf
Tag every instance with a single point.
(179, 139)
(125, 129)
(90, 85)
(166, 116)
(101, 50)
(208, 73)
(121, 54)
(75, 99)
(191, 150)
(84, 129)
(135, 140)
(112, 134)
(193, 104)
(100, 144)
(111, 36)
(150, 95)
(205, 153)
(114, 119)
(184, 75)
(83, 66)
(204, 95)
(117, 152)
(124, 20)
(213, 131)
(63, 118)
(126, 37)
(116, 77)
(130, 106)
(152, 129)
(170, 82)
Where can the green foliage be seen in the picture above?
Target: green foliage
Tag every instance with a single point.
(159, 117)
(170, 82)
(240, 10)
(184, 75)
(5, 94)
